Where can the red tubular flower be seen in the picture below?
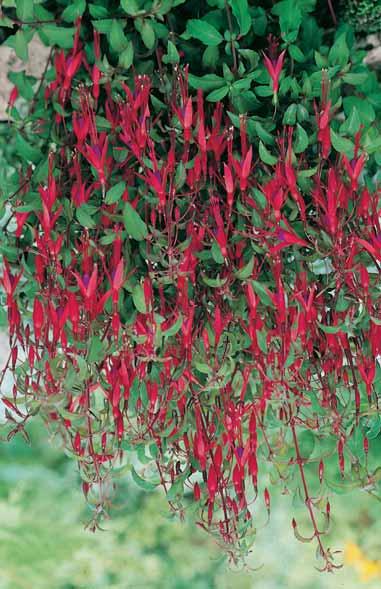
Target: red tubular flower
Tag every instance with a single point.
(96, 155)
(323, 117)
(321, 471)
(267, 499)
(229, 185)
(81, 126)
(96, 76)
(38, 317)
(212, 482)
(197, 492)
(21, 219)
(274, 68)
(117, 281)
(13, 96)
(187, 121)
(354, 168)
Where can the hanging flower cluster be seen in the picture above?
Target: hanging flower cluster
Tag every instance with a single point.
(218, 315)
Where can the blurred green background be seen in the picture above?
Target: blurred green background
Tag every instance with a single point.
(44, 543)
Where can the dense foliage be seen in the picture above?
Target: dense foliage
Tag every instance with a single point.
(192, 253)
(364, 15)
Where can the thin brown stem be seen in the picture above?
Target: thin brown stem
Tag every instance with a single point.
(230, 25)
(307, 498)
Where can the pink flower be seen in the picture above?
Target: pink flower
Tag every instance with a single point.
(274, 67)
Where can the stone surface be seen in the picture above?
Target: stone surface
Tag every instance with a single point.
(38, 55)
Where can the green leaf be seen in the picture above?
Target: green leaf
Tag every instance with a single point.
(24, 10)
(26, 151)
(84, 217)
(245, 271)
(262, 340)
(240, 9)
(114, 194)
(262, 293)
(103, 25)
(148, 35)
(339, 52)
(98, 11)
(289, 117)
(218, 94)
(214, 282)
(131, 7)
(251, 56)
(82, 367)
(6, 22)
(175, 328)
(207, 82)
(296, 53)
(142, 483)
(333, 328)
(364, 108)
(355, 79)
(61, 36)
(266, 156)
(118, 39)
(21, 45)
(342, 145)
(138, 299)
(290, 18)
(352, 124)
(180, 176)
(134, 224)
(263, 133)
(301, 142)
(126, 58)
(172, 54)
(74, 10)
(342, 303)
(176, 490)
(203, 31)
(210, 57)
(96, 351)
(259, 21)
(373, 426)
(306, 442)
(217, 254)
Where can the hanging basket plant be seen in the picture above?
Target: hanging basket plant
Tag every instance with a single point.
(182, 288)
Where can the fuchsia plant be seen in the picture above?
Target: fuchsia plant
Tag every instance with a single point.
(218, 315)
(274, 65)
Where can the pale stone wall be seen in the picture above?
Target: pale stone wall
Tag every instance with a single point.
(38, 54)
